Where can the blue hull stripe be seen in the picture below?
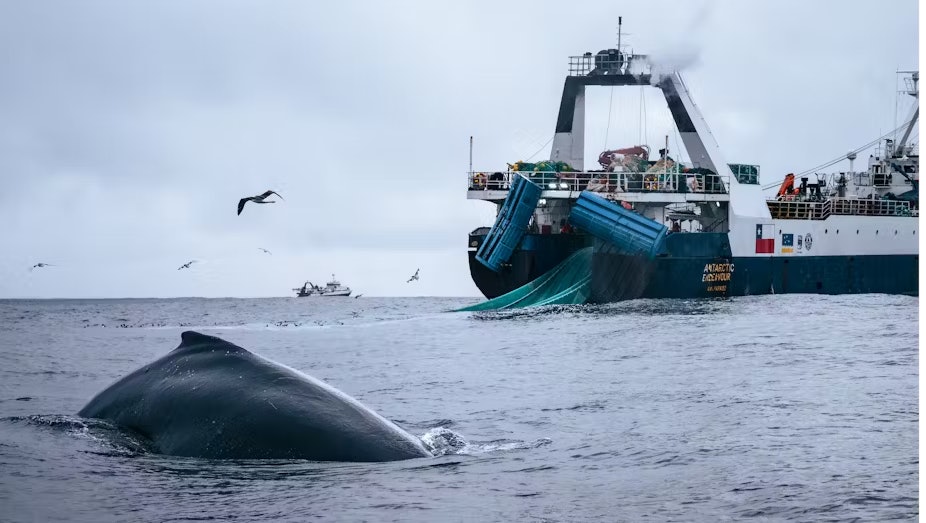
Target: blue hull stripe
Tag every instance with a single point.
(619, 277)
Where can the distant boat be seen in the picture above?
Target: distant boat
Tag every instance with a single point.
(307, 289)
(333, 288)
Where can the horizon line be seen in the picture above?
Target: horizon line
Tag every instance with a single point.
(215, 297)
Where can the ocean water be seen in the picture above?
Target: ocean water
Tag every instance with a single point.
(765, 408)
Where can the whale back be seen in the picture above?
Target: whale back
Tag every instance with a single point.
(210, 398)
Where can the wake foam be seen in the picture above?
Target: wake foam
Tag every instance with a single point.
(109, 439)
(442, 441)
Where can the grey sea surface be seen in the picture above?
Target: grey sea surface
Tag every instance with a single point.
(786, 407)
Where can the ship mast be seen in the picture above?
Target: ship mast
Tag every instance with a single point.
(619, 21)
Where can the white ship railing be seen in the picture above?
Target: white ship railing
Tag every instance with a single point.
(604, 182)
(614, 63)
(804, 210)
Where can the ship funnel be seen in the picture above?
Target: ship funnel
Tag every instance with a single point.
(851, 156)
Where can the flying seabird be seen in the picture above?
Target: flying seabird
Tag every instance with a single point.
(186, 265)
(265, 250)
(256, 199)
(40, 265)
(414, 276)
(357, 296)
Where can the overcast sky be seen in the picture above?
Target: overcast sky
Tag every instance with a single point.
(129, 130)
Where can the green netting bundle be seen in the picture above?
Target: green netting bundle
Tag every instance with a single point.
(544, 166)
(567, 283)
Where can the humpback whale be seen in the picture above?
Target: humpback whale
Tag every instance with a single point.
(209, 398)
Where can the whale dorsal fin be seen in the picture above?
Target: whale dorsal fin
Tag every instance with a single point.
(195, 341)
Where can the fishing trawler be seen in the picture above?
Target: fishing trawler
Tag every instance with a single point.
(645, 225)
(332, 288)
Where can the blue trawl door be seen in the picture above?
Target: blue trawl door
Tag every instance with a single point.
(510, 224)
(627, 231)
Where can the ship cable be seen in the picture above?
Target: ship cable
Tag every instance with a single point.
(840, 158)
(544, 146)
(644, 117)
(608, 128)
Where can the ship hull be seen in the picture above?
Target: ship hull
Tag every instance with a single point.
(538, 254)
(702, 266)
(343, 294)
(335, 294)
(617, 277)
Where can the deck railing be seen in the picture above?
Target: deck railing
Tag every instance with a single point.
(603, 182)
(794, 210)
(605, 62)
(798, 210)
(871, 207)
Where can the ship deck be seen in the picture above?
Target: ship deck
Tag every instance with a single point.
(662, 187)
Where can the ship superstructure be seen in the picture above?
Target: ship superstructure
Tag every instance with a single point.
(710, 230)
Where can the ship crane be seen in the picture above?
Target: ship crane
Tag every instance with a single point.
(915, 93)
(901, 151)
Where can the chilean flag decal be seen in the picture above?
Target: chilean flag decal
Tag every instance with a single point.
(765, 239)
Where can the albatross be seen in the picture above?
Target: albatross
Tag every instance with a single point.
(256, 199)
(40, 265)
(414, 276)
(265, 250)
(186, 265)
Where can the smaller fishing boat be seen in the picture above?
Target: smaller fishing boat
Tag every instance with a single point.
(332, 288)
(307, 289)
